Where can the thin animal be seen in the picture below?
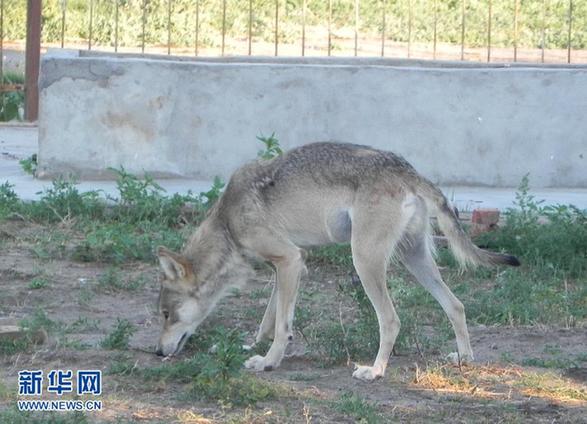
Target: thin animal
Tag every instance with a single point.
(316, 194)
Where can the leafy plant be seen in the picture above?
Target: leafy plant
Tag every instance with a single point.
(63, 200)
(29, 165)
(11, 102)
(212, 195)
(552, 237)
(354, 406)
(31, 326)
(112, 281)
(120, 335)
(272, 148)
(38, 283)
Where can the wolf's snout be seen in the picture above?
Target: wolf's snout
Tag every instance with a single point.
(159, 352)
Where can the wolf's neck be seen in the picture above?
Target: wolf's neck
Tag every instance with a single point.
(215, 256)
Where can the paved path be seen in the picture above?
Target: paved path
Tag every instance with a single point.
(19, 142)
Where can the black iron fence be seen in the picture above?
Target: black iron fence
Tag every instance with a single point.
(547, 31)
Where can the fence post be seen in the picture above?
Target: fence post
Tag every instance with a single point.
(32, 60)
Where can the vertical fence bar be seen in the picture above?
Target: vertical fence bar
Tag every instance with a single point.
(409, 27)
(304, 5)
(516, 18)
(116, 13)
(250, 26)
(276, 27)
(63, 9)
(329, 27)
(463, 15)
(435, 27)
(197, 32)
(32, 60)
(489, 32)
(356, 26)
(223, 25)
(383, 24)
(144, 25)
(570, 30)
(90, 35)
(543, 36)
(168, 27)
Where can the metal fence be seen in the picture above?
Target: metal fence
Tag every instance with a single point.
(479, 30)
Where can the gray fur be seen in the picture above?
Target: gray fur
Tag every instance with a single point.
(314, 195)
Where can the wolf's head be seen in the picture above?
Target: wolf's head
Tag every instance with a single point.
(190, 288)
(180, 303)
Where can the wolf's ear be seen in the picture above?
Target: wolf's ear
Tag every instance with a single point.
(175, 266)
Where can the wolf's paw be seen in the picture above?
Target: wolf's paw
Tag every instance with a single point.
(367, 373)
(454, 358)
(259, 363)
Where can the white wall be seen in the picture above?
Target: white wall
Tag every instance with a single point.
(458, 125)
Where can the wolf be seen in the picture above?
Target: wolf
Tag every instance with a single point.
(316, 194)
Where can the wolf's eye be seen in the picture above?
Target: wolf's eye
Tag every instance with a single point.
(166, 314)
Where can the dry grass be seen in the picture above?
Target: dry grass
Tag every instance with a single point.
(500, 382)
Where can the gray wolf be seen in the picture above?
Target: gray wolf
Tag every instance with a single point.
(313, 195)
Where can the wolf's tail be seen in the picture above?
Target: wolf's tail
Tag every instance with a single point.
(466, 253)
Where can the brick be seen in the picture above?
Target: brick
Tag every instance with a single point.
(487, 217)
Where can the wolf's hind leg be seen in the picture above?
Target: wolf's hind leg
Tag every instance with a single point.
(374, 238)
(418, 259)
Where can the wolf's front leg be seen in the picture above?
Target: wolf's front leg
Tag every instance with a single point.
(267, 327)
(289, 270)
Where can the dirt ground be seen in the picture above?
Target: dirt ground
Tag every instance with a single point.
(416, 388)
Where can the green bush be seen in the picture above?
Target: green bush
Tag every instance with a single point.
(11, 101)
(552, 237)
(120, 335)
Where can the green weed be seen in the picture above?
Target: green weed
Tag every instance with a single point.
(350, 404)
(31, 327)
(216, 375)
(13, 416)
(208, 198)
(337, 255)
(552, 237)
(112, 281)
(29, 165)
(271, 147)
(11, 101)
(38, 283)
(120, 335)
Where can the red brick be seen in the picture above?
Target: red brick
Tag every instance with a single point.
(487, 217)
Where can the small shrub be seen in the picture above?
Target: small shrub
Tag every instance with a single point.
(271, 147)
(38, 283)
(31, 326)
(211, 196)
(544, 236)
(29, 165)
(13, 416)
(11, 102)
(354, 406)
(215, 375)
(337, 255)
(120, 335)
(112, 281)
(63, 200)
(8, 199)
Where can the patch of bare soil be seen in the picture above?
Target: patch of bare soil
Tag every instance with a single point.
(416, 388)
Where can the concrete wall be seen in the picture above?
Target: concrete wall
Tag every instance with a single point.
(457, 124)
